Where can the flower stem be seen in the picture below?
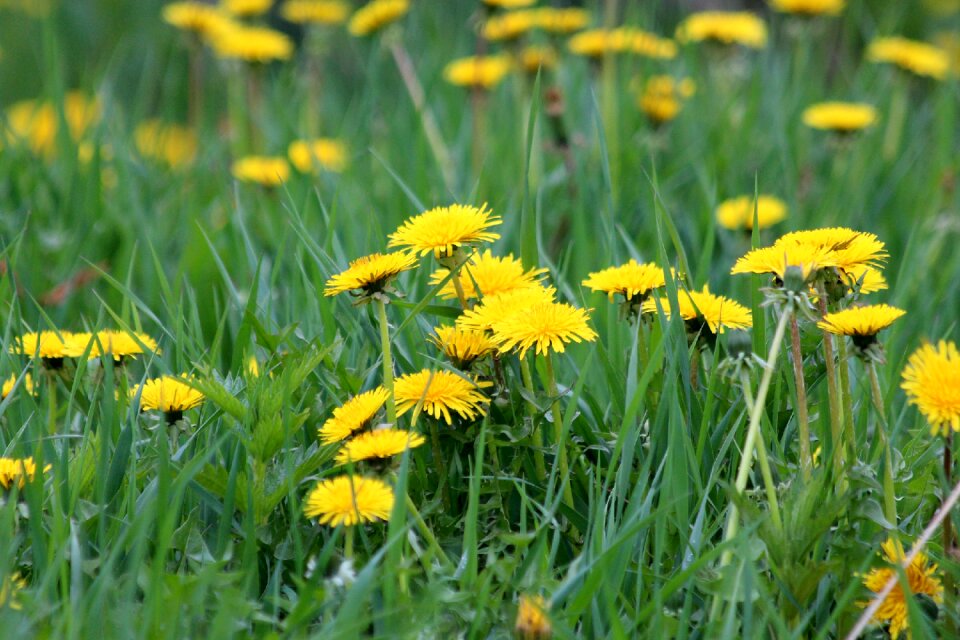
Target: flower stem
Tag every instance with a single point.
(803, 419)
(836, 410)
(387, 361)
(458, 287)
(846, 398)
(535, 433)
(51, 403)
(426, 532)
(889, 497)
(558, 431)
(438, 462)
(769, 486)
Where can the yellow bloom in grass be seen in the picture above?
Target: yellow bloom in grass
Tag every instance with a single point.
(919, 58)
(246, 8)
(252, 367)
(355, 414)
(848, 248)
(443, 230)
(168, 394)
(776, 259)
(482, 72)
(532, 621)
(596, 43)
(170, 144)
(863, 279)
(442, 392)
(491, 274)
(921, 578)
(512, 25)
(535, 57)
(199, 17)
(632, 279)
(51, 346)
(315, 11)
(931, 380)
(500, 305)
(737, 213)
(269, 171)
(378, 445)
(509, 4)
(12, 380)
(321, 153)
(839, 117)
(375, 15)
(8, 591)
(251, 44)
(543, 327)
(349, 500)
(18, 472)
(36, 123)
(120, 344)
(809, 7)
(716, 312)
(562, 20)
(862, 324)
(371, 274)
(663, 97)
(726, 27)
(463, 346)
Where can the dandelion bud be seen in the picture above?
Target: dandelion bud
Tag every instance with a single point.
(793, 279)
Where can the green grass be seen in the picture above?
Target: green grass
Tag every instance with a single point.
(128, 535)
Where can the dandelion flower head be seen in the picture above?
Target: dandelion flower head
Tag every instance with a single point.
(543, 327)
(376, 15)
(269, 171)
(9, 383)
(353, 415)
(378, 444)
(169, 394)
(443, 230)
(840, 117)
(490, 274)
(919, 58)
(348, 500)
(321, 153)
(371, 274)
(632, 279)
(726, 27)
(495, 307)
(921, 578)
(809, 7)
(716, 312)
(484, 72)
(463, 346)
(931, 380)
(315, 11)
(737, 213)
(532, 621)
(442, 392)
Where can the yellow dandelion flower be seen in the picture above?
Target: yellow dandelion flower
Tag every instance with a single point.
(561, 20)
(168, 394)
(8, 591)
(251, 44)
(919, 58)
(532, 621)
(737, 213)
(18, 472)
(809, 7)
(442, 392)
(36, 123)
(535, 57)
(726, 27)
(862, 324)
(848, 248)
(246, 8)
(650, 45)
(378, 445)
(632, 279)
(663, 97)
(863, 279)
(839, 117)
(491, 274)
(778, 258)
(509, 26)
(544, 327)
(9, 383)
(500, 305)
(931, 380)
(315, 11)
(355, 414)
(483, 72)
(716, 312)
(509, 4)
(199, 17)
(349, 500)
(443, 230)
(463, 346)
(596, 43)
(375, 15)
(120, 344)
(921, 579)
(372, 274)
(269, 171)
(321, 153)
(51, 346)
(170, 144)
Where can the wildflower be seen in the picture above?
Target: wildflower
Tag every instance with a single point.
(495, 307)
(513, 24)
(737, 213)
(198, 17)
(663, 97)
(632, 279)
(921, 579)
(482, 72)
(702, 308)
(535, 57)
(509, 4)
(490, 274)
(775, 260)
(349, 500)
(354, 415)
(51, 346)
(269, 171)
(252, 367)
(532, 622)
(441, 393)
(839, 117)
(37, 123)
(18, 472)
(307, 156)
(379, 444)
(168, 394)
(372, 274)
(315, 11)
(849, 249)
(9, 383)
(919, 58)
(725, 27)
(444, 230)
(170, 144)
(862, 324)
(809, 7)
(8, 591)
(120, 344)
(251, 44)
(561, 20)
(246, 8)
(463, 346)
(863, 279)
(544, 327)
(596, 43)
(375, 15)
(931, 380)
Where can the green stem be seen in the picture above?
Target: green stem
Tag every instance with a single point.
(458, 287)
(889, 497)
(535, 434)
(558, 431)
(768, 484)
(387, 361)
(846, 398)
(51, 403)
(803, 419)
(949, 586)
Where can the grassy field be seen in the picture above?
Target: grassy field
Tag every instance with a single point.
(657, 477)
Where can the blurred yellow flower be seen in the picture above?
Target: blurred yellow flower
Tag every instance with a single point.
(916, 57)
(726, 27)
(375, 15)
(532, 58)
(268, 171)
(120, 344)
(482, 72)
(246, 8)
(809, 7)
(198, 17)
(840, 117)
(36, 123)
(663, 97)
(8, 384)
(596, 43)
(9, 588)
(18, 472)
(509, 4)
(532, 621)
(170, 144)
(737, 213)
(921, 579)
(51, 346)
(931, 380)
(349, 500)
(251, 44)
(315, 11)
(513, 24)
(308, 156)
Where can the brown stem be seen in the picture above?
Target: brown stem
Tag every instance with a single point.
(803, 419)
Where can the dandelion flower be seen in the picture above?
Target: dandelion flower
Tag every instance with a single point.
(509, 4)
(198, 17)
(596, 43)
(315, 11)
(535, 57)
(839, 117)
(483, 72)
(9, 383)
(168, 394)
(532, 621)
(495, 307)
(371, 274)
(862, 324)
(18, 471)
(51, 346)
(561, 20)
(863, 279)
(378, 445)
(321, 153)
(663, 97)
(921, 578)
(246, 8)
(737, 213)
(375, 15)
(544, 327)
(120, 344)
(353, 415)
(349, 500)
(9, 587)
(442, 392)
(725, 27)
(510, 25)
(463, 346)
(848, 248)
(704, 308)
(919, 58)
(170, 144)
(251, 44)
(778, 258)
(632, 279)
(37, 123)
(490, 274)
(443, 230)
(809, 7)
(931, 380)
(269, 171)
